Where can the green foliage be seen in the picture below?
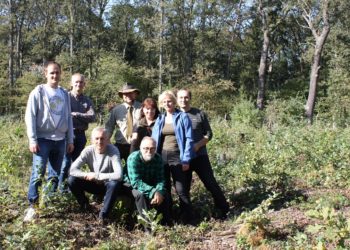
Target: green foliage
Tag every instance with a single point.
(254, 228)
(251, 160)
(274, 161)
(245, 114)
(151, 220)
(333, 228)
(14, 156)
(113, 74)
(34, 236)
(212, 95)
(284, 112)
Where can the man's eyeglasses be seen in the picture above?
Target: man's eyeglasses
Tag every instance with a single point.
(149, 149)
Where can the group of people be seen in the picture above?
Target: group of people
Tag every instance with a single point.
(157, 149)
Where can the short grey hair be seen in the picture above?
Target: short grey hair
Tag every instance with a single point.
(99, 129)
(78, 74)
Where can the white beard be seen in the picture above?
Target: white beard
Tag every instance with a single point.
(147, 157)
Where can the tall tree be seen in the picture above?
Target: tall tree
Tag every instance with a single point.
(262, 10)
(270, 16)
(72, 20)
(316, 15)
(12, 32)
(161, 31)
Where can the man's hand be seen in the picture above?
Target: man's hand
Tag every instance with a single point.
(196, 147)
(70, 148)
(74, 114)
(158, 198)
(90, 176)
(185, 167)
(34, 148)
(200, 144)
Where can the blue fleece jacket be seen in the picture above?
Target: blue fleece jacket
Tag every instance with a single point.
(183, 134)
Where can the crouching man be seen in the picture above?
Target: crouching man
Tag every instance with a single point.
(104, 173)
(146, 176)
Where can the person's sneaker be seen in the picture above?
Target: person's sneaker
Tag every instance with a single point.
(29, 215)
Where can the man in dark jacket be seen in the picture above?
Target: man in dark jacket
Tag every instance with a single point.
(83, 113)
(202, 133)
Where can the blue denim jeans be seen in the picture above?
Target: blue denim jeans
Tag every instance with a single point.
(79, 145)
(50, 152)
(110, 190)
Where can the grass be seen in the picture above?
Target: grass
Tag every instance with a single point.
(307, 167)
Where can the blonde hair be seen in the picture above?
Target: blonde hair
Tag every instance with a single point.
(166, 93)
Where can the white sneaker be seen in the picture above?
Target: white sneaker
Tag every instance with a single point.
(29, 215)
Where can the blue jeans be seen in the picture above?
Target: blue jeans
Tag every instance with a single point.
(109, 189)
(79, 145)
(51, 152)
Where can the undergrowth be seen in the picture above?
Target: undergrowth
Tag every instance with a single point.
(253, 155)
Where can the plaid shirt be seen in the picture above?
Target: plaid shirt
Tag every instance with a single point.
(146, 177)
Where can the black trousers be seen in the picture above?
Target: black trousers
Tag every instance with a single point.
(201, 165)
(109, 189)
(142, 202)
(124, 150)
(182, 183)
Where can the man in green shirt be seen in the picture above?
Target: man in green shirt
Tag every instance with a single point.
(146, 176)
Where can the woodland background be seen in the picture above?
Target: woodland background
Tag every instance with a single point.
(272, 75)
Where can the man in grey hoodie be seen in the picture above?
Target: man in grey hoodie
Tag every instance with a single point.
(49, 125)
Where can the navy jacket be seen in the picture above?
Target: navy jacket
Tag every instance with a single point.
(183, 134)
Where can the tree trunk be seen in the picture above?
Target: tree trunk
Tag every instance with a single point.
(71, 33)
(160, 77)
(320, 39)
(311, 99)
(126, 39)
(203, 21)
(263, 59)
(90, 54)
(233, 36)
(19, 47)
(262, 71)
(11, 45)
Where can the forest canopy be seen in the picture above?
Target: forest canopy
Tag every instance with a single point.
(262, 51)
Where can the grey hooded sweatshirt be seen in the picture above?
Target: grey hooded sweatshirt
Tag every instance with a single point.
(40, 123)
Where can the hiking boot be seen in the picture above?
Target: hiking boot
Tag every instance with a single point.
(102, 219)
